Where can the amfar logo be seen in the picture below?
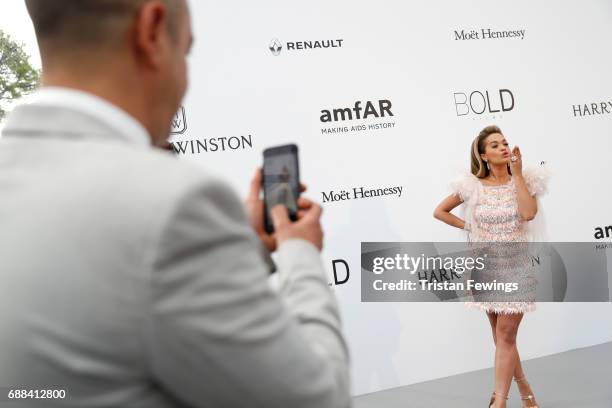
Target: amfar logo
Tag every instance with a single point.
(481, 102)
(276, 46)
(359, 111)
(380, 110)
(179, 123)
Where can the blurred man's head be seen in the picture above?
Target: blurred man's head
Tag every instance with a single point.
(131, 52)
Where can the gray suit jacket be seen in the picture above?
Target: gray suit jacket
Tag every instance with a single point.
(131, 279)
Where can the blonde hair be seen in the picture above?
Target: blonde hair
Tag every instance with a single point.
(478, 166)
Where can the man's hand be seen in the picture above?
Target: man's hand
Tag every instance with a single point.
(255, 210)
(308, 225)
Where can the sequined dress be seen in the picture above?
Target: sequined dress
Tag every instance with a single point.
(501, 227)
(496, 225)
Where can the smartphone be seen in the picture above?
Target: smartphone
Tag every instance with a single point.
(281, 181)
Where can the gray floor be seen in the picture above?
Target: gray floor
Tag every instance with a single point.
(579, 378)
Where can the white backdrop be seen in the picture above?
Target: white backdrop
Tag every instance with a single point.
(408, 53)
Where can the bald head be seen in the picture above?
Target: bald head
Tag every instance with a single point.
(132, 53)
(79, 25)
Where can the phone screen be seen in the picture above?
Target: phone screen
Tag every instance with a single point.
(281, 181)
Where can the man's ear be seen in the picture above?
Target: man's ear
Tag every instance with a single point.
(150, 30)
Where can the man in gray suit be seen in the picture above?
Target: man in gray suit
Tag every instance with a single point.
(128, 278)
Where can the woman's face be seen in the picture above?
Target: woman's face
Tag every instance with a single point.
(497, 150)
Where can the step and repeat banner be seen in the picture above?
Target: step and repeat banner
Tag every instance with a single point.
(384, 99)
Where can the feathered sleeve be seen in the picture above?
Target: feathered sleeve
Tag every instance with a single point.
(463, 185)
(536, 179)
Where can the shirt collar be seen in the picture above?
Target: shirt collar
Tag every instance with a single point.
(95, 106)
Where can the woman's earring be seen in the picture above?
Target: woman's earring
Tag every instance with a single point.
(487, 163)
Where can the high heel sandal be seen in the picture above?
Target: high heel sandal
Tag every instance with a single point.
(493, 398)
(529, 398)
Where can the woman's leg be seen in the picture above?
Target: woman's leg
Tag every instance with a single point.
(506, 354)
(518, 370)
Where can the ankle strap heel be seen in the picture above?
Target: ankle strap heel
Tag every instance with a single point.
(530, 398)
(494, 396)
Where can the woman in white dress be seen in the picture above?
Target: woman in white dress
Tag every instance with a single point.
(500, 204)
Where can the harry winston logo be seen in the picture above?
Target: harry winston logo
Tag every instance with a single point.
(276, 47)
(179, 122)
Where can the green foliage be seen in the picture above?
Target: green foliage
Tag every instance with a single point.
(17, 77)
